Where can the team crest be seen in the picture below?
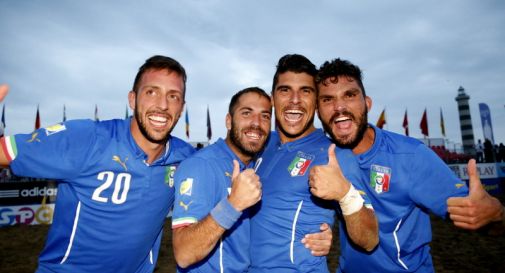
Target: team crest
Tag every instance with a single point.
(186, 187)
(169, 175)
(300, 164)
(379, 178)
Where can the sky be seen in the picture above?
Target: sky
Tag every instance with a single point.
(414, 56)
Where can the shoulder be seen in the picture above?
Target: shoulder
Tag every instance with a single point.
(181, 147)
(400, 144)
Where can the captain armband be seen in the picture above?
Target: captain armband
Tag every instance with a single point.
(225, 214)
(351, 202)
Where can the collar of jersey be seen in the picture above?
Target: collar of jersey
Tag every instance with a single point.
(365, 157)
(139, 153)
(302, 142)
(226, 149)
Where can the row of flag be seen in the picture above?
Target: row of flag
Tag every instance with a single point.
(209, 127)
(37, 120)
(423, 125)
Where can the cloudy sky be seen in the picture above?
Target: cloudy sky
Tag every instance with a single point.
(414, 54)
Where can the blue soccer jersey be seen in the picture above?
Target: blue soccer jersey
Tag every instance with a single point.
(111, 204)
(201, 181)
(405, 181)
(288, 211)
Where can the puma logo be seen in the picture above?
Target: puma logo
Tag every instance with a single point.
(118, 160)
(34, 138)
(184, 206)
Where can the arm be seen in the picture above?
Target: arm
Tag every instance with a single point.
(328, 182)
(478, 208)
(4, 162)
(194, 242)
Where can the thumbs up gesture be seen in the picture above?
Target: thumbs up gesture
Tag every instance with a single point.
(4, 89)
(327, 181)
(245, 188)
(478, 208)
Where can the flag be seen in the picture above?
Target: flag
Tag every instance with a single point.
(96, 113)
(209, 128)
(442, 125)
(187, 123)
(485, 119)
(424, 124)
(37, 119)
(126, 116)
(406, 123)
(2, 124)
(64, 113)
(382, 119)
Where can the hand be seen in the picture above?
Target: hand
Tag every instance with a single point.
(319, 243)
(478, 208)
(245, 188)
(4, 89)
(327, 181)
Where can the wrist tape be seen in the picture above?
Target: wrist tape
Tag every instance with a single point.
(351, 202)
(225, 214)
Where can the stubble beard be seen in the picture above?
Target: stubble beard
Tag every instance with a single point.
(143, 129)
(248, 150)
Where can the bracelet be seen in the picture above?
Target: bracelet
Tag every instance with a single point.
(225, 214)
(351, 202)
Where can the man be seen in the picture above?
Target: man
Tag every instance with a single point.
(115, 189)
(403, 178)
(214, 188)
(288, 210)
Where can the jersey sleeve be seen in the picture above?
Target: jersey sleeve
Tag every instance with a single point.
(55, 152)
(194, 192)
(433, 181)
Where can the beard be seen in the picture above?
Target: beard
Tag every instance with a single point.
(352, 141)
(143, 129)
(248, 150)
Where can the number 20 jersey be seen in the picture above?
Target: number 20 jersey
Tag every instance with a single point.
(111, 204)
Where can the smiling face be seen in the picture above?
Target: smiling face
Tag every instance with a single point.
(249, 125)
(343, 111)
(294, 100)
(157, 104)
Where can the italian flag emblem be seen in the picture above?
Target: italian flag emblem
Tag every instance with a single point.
(300, 164)
(379, 178)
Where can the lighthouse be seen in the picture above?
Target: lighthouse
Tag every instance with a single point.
(465, 122)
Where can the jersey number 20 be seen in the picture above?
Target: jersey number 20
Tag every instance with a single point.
(121, 187)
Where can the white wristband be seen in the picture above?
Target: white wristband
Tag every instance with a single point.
(351, 202)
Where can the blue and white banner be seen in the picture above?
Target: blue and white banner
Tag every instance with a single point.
(485, 118)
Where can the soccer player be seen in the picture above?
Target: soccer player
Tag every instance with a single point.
(288, 210)
(216, 186)
(115, 185)
(404, 179)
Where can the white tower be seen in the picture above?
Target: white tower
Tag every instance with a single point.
(465, 122)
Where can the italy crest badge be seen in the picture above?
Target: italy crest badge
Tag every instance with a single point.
(379, 178)
(300, 164)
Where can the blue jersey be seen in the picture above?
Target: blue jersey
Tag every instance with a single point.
(405, 181)
(111, 204)
(201, 181)
(288, 211)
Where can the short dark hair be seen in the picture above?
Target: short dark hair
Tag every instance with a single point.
(331, 70)
(159, 62)
(294, 63)
(236, 97)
